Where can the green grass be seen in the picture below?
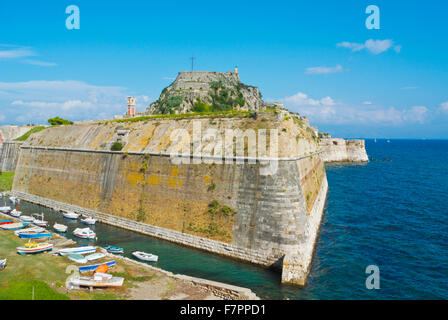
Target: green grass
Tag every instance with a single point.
(6, 180)
(30, 132)
(128, 277)
(217, 114)
(23, 290)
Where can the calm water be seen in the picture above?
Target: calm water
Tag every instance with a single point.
(392, 214)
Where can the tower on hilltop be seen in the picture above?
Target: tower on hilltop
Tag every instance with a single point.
(131, 107)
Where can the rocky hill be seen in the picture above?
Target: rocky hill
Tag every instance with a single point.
(206, 91)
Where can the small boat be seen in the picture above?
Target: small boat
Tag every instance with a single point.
(5, 209)
(34, 235)
(34, 247)
(145, 256)
(32, 229)
(39, 222)
(6, 222)
(14, 226)
(95, 256)
(85, 233)
(60, 227)
(13, 199)
(15, 213)
(27, 218)
(94, 266)
(113, 249)
(88, 220)
(80, 250)
(70, 215)
(77, 258)
(98, 280)
(2, 264)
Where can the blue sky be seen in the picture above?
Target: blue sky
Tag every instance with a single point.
(317, 57)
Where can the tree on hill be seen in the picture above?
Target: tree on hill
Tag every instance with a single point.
(58, 121)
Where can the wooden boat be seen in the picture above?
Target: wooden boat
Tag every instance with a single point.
(14, 226)
(34, 247)
(5, 209)
(70, 215)
(2, 264)
(95, 256)
(27, 218)
(80, 250)
(85, 233)
(113, 249)
(94, 266)
(15, 213)
(98, 280)
(88, 220)
(60, 227)
(39, 222)
(145, 256)
(6, 222)
(77, 258)
(34, 235)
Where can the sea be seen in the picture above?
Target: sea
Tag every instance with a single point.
(390, 213)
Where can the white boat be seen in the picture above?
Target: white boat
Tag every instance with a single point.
(98, 280)
(60, 227)
(39, 222)
(77, 258)
(95, 256)
(70, 215)
(32, 229)
(15, 213)
(84, 233)
(27, 218)
(34, 247)
(88, 220)
(145, 256)
(5, 209)
(13, 199)
(2, 264)
(80, 250)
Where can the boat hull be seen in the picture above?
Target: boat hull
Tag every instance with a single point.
(89, 282)
(23, 250)
(94, 266)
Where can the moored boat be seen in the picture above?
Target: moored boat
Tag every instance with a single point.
(39, 222)
(14, 226)
(34, 235)
(95, 256)
(88, 220)
(70, 215)
(93, 267)
(5, 209)
(77, 258)
(84, 233)
(145, 256)
(34, 247)
(15, 213)
(113, 249)
(80, 250)
(35, 229)
(6, 222)
(60, 227)
(98, 280)
(27, 218)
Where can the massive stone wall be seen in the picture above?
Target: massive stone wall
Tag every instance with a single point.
(233, 209)
(9, 155)
(340, 150)
(9, 133)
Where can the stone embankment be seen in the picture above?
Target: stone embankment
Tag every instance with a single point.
(340, 150)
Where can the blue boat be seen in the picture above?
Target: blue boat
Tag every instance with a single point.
(34, 235)
(94, 266)
(113, 249)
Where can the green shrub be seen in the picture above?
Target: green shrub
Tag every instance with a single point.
(116, 146)
(56, 121)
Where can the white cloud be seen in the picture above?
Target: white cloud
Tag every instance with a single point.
(40, 63)
(18, 52)
(444, 107)
(409, 88)
(367, 102)
(327, 111)
(373, 46)
(324, 70)
(36, 101)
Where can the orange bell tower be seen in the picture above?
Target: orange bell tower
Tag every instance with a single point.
(131, 107)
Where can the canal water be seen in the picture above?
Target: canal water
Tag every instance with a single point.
(390, 213)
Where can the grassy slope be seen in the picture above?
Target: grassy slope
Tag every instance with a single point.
(31, 131)
(6, 180)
